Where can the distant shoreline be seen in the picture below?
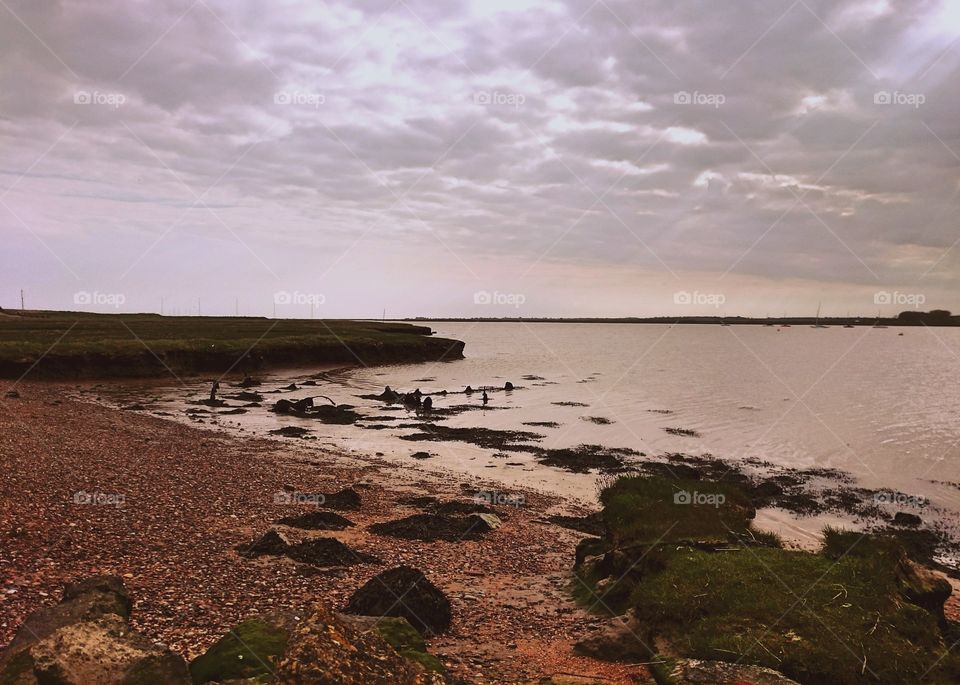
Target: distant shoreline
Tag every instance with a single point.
(921, 319)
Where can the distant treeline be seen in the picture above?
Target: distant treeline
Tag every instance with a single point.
(936, 317)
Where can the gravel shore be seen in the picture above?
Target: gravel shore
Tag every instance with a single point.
(88, 489)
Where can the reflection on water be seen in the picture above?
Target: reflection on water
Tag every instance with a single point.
(881, 406)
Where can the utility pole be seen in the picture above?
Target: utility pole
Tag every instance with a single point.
(161, 305)
(236, 306)
(22, 307)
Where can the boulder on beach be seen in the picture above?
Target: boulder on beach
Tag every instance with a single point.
(403, 591)
(431, 527)
(903, 518)
(87, 638)
(250, 650)
(347, 499)
(105, 651)
(326, 650)
(273, 542)
(317, 520)
(328, 552)
(85, 600)
(399, 634)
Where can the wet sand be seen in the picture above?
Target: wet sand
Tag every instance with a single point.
(164, 504)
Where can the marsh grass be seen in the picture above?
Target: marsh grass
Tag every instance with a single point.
(73, 344)
(838, 616)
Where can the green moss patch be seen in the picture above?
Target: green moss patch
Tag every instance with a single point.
(409, 643)
(247, 651)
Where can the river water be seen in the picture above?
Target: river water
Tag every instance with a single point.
(881, 404)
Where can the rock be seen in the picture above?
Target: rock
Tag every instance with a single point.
(764, 491)
(324, 650)
(272, 542)
(403, 591)
(389, 395)
(86, 638)
(453, 507)
(83, 601)
(420, 501)
(696, 672)
(489, 521)
(591, 524)
(290, 431)
(400, 635)
(249, 650)
(432, 527)
(903, 518)
(328, 552)
(106, 652)
(924, 587)
(317, 520)
(347, 499)
(621, 639)
(12, 395)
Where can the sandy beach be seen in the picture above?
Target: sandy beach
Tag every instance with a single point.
(91, 490)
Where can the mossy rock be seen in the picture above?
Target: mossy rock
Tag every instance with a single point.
(247, 651)
(409, 643)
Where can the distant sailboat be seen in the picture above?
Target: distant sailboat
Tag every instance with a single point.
(878, 324)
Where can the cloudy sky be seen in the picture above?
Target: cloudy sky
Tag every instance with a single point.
(480, 158)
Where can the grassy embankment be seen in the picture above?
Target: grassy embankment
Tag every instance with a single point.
(698, 582)
(78, 345)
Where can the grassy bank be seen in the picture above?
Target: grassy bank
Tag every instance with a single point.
(698, 582)
(81, 345)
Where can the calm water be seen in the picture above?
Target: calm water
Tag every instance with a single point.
(881, 406)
